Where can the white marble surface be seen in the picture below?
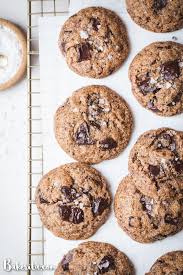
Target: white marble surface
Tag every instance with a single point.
(13, 156)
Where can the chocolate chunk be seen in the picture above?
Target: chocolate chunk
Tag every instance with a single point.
(66, 261)
(147, 204)
(159, 5)
(107, 263)
(95, 23)
(69, 193)
(42, 200)
(108, 144)
(151, 106)
(176, 99)
(170, 70)
(178, 166)
(71, 214)
(77, 215)
(171, 220)
(65, 212)
(154, 170)
(82, 135)
(84, 52)
(99, 205)
(145, 86)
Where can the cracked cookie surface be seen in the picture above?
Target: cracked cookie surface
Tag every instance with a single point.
(73, 201)
(94, 42)
(95, 258)
(156, 75)
(148, 218)
(169, 264)
(94, 124)
(158, 155)
(157, 15)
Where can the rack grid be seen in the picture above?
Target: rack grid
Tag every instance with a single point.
(35, 230)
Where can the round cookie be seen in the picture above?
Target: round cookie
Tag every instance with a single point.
(158, 154)
(157, 15)
(94, 124)
(12, 54)
(94, 42)
(168, 264)
(73, 201)
(146, 218)
(156, 75)
(95, 258)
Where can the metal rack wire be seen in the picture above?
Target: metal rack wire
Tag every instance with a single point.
(36, 9)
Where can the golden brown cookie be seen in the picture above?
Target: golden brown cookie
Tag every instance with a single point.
(156, 74)
(148, 217)
(93, 125)
(168, 264)
(95, 258)
(73, 201)
(157, 15)
(94, 42)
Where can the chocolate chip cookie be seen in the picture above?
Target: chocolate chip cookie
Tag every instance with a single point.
(95, 258)
(94, 42)
(157, 15)
(94, 124)
(73, 201)
(169, 264)
(146, 218)
(158, 155)
(156, 74)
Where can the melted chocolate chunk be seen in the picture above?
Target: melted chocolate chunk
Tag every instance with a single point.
(171, 220)
(108, 144)
(99, 205)
(84, 52)
(77, 215)
(151, 106)
(107, 263)
(176, 99)
(154, 170)
(147, 204)
(95, 23)
(65, 212)
(170, 70)
(71, 214)
(159, 5)
(42, 200)
(70, 193)
(82, 135)
(145, 86)
(66, 261)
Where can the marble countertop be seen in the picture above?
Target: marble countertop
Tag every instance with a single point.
(13, 156)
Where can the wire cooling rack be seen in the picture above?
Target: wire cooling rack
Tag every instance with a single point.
(35, 10)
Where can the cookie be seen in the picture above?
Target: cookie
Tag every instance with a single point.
(156, 75)
(12, 54)
(94, 42)
(157, 15)
(95, 258)
(158, 154)
(73, 201)
(168, 264)
(148, 218)
(93, 125)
